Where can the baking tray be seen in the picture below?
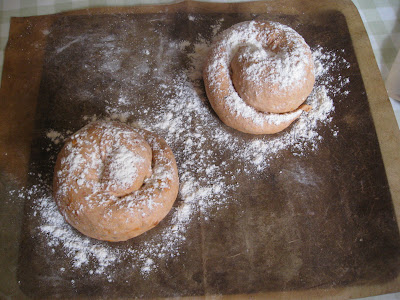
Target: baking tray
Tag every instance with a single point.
(274, 235)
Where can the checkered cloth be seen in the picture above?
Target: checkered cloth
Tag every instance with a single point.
(380, 18)
(382, 21)
(383, 27)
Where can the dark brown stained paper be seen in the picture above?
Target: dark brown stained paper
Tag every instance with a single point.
(268, 239)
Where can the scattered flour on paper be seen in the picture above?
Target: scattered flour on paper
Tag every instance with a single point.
(184, 121)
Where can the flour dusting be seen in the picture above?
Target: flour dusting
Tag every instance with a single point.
(184, 120)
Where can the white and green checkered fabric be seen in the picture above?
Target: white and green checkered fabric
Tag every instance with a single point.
(382, 22)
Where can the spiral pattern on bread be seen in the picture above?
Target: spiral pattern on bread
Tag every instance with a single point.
(257, 76)
(113, 182)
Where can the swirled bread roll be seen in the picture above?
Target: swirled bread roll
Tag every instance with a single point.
(113, 182)
(257, 76)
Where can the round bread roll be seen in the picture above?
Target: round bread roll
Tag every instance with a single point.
(257, 76)
(113, 182)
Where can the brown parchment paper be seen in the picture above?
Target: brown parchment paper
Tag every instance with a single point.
(349, 248)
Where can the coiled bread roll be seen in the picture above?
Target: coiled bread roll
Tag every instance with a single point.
(113, 182)
(257, 76)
